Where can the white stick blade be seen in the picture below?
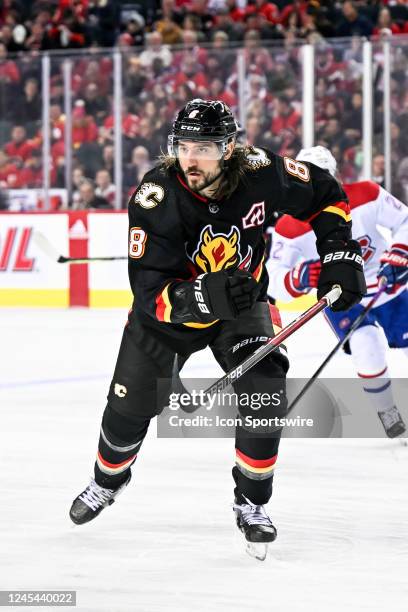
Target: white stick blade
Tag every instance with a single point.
(45, 245)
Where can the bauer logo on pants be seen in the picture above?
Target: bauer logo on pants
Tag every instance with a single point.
(120, 390)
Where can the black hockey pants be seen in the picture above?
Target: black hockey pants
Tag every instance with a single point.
(134, 397)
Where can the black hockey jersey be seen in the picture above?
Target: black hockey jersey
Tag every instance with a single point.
(176, 234)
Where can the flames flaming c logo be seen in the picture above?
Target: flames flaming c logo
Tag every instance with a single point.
(220, 251)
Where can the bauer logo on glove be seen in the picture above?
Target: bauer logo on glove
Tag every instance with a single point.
(342, 264)
(394, 267)
(350, 256)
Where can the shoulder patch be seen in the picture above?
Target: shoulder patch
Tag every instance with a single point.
(149, 195)
(289, 227)
(257, 158)
(361, 192)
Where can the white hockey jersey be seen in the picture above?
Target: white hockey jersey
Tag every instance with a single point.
(372, 208)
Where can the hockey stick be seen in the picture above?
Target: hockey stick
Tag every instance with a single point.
(45, 245)
(273, 343)
(382, 283)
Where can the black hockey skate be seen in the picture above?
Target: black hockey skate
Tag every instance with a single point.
(392, 422)
(93, 500)
(256, 525)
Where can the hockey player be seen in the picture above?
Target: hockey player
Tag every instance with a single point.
(196, 268)
(294, 269)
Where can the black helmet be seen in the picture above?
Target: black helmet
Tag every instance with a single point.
(203, 120)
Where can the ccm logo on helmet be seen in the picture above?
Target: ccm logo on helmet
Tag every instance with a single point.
(343, 255)
(195, 128)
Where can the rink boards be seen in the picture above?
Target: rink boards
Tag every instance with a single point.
(30, 277)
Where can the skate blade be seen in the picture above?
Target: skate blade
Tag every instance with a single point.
(257, 550)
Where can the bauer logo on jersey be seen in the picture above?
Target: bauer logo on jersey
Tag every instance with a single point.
(149, 195)
(217, 251)
(255, 217)
(257, 158)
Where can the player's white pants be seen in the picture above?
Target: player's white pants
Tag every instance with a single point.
(368, 350)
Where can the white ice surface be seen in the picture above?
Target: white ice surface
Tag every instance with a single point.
(170, 543)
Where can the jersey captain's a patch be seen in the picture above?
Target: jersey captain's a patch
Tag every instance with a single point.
(255, 217)
(257, 158)
(149, 195)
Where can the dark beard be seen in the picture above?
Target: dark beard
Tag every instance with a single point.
(208, 180)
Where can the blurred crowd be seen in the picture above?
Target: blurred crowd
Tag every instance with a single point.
(175, 50)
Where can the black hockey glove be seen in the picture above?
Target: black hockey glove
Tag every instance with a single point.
(225, 294)
(342, 264)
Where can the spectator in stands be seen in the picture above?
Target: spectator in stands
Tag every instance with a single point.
(190, 22)
(353, 24)
(225, 23)
(155, 50)
(332, 134)
(130, 128)
(191, 48)
(108, 159)
(103, 22)
(285, 115)
(267, 30)
(9, 72)
(253, 131)
(255, 88)
(296, 10)
(31, 174)
(13, 37)
(104, 186)
(256, 135)
(402, 178)
(267, 9)
(139, 165)
(28, 107)
(197, 9)
(385, 25)
(35, 39)
(57, 122)
(19, 148)
(69, 31)
(78, 176)
(134, 77)
(352, 121)
(95, 105)
(257, 58)
(84, 128)
(167, 25)
(378, 171)
(219, 91)
(88, 198)
(8, 172)
(93, 71)
(135, 27)
(149, 137)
